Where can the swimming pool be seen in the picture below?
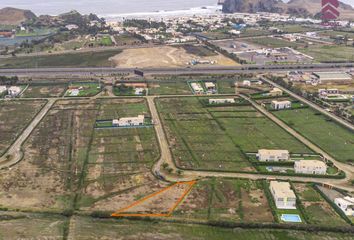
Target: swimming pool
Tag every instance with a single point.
(291, 218)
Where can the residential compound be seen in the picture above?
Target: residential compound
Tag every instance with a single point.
(221, 100)
(129, 121)
(279, 105)
(275, 92)
(197, 88)
(346, 204)
(310, 167)
(284, 197)
(266, 155)
(14, 91)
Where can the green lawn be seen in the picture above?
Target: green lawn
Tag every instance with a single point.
(273, 42)
(88, 89)
(328, 135)
(217, 137)
(324, 53)
(88, 59)
(169, 88)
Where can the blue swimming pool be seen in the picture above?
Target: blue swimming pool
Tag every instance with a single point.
(291, 218)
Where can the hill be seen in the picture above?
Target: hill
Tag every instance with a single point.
(293, 7)
(14, 16)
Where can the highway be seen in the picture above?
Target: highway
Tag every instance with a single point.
(192, 70)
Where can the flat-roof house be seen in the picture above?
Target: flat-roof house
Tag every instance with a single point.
(283, 196)
(246, 83)
(278, 105)
(139, 91)
(266, 155)
(310, 167)
(332, 76)
(14, 91)
(221, 100)
(346, 204)
(129, 121)
(210, 86)
(275, 92)
(197, 88)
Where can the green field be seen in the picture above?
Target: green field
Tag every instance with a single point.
(323, 53)
(200, 51)
(328, 135)
(273, 42)
(169, 88)
(88, 59)
(217, 137)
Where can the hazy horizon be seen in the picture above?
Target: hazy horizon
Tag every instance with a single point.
(107, 7)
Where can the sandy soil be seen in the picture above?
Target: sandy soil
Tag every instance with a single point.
(164, 56)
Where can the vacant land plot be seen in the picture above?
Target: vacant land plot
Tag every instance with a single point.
(199, 50)
(14, 117)
(331, 137)
(85, 59)
(177, 87)
(317, 209)
(31, 226)
(44, 91)
(216, 137)
(118, 169)
(165, 56)
(226, 200)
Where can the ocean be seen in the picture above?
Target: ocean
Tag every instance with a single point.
(115, 8)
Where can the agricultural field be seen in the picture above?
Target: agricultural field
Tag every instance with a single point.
(119, 162)
(316, 208)
(236, 130)
(44, 91)
(93, 229)
(272, 42)
(79, 59)
(126, 39)
(14, 118)
(325, 53)
(226, 200)
(328, 135)
(199, 50)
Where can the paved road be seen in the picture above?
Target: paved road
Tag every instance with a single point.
(311, 104)
(188, 175)
(15, 151)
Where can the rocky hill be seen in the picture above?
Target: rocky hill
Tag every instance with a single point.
(14, 16)
(294, 7)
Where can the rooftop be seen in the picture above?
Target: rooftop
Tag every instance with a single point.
(282, 189)
(311, 163)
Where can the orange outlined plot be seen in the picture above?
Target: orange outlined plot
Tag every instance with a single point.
(159, 204)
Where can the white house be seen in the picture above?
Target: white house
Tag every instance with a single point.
(129, 121)
(310, 167)
(266, 155)
(210, 86)
(139, 91)
(278, 105)
(14, 91)
(346, 204)
(246, 83)
(221, 100)
(283, 196)
(197, 88)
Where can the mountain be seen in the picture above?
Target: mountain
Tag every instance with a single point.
(293, 7)
(14, 16)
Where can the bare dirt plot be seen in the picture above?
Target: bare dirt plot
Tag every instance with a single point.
(54, 154)
(31, 226)
(164, 56)
(44, 91)
(317, 209)
(14, 117)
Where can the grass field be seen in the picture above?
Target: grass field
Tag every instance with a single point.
(328, 135)
(235, 130)
(198, 50)
(44, 91)
(273, 42)
(323, 53)
(316, 208)
(169, 87)
(89, 59)
(93, 229)
(14, 117)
